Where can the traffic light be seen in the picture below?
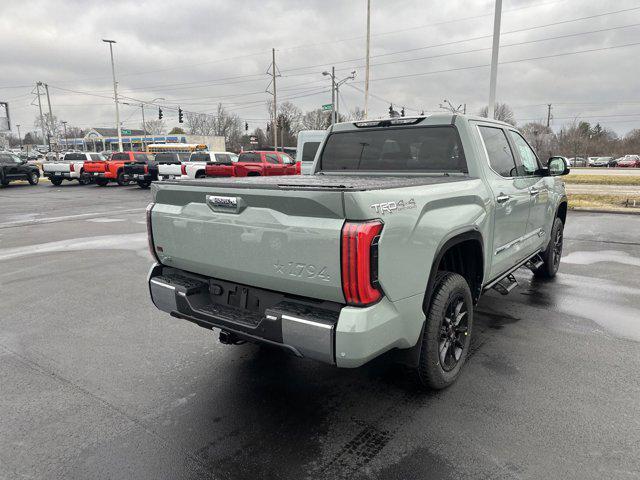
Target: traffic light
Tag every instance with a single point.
(246, 126)
(402, 112)
(268, 127)
(180, 115)
(391, 110)
(159, 113)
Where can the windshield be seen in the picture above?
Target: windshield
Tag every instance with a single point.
(418, 149)
(75, 156)
(200, 157)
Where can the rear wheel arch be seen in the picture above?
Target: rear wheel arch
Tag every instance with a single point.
(200, 174)
(463, 254)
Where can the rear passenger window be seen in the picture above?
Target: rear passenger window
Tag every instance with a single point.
(223, 158)
(498, 150)
(309, 151)
(272, 158)
(140, 157)
(249, 158)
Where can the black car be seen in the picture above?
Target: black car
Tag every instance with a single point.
(13, 168)
(143, 170)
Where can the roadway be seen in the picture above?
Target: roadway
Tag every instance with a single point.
(97, 384)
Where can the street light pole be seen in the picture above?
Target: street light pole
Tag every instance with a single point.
(494, 60)
(19, 136)
(335, 91)
(115, 92)
(66, 139)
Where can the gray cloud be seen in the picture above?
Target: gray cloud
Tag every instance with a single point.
(182, 50)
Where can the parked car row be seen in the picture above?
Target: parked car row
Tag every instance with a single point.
(607, 162)
(144, 168)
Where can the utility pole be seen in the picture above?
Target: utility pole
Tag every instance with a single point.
(275, 99)
(44, 135)
(366, 77)
(333, 95)
(494, 60)
(144, 124)
(51, 123)
(66, 139)
(115, 92)
(19, 136)
(548, 114)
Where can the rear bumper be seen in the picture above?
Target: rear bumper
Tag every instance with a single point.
(67, 175)
(328, 332)
(138, 177)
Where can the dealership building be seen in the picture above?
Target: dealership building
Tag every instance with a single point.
(104, 139)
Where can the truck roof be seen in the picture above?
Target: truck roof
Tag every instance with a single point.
(435, 119)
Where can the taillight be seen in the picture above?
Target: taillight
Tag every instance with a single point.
(183, 169)
(72, 167)
(360, 262)
(146, 169)
(150, 233)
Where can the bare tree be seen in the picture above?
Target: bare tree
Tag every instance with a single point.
(51, 124)
(356, 114)
(153, 127)
(316, 120)
(541, 138)
(502, 112)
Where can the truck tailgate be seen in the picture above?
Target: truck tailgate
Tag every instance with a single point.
(94, 167)
(283, 240)
(169, 169)
(62, 167)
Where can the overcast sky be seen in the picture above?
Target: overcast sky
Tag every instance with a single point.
(201, 52)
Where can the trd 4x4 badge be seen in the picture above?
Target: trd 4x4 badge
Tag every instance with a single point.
(391, 207)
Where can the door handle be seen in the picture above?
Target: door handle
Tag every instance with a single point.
(534, 191)
(502, 198)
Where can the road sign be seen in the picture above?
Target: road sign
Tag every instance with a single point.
(125, 132)
(328, 106)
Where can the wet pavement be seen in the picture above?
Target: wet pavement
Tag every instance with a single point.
(96, 384)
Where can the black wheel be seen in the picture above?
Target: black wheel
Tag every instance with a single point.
(57, 181)
(121, 181)
(84, 179)
(447, 332)
(200, 174)
(4, 182)
(143, 184)
(33, 178)
(553, 253)
(102, 182)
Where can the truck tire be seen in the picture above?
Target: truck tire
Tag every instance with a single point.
(447, 332)
(84, 179)
(56, 181)
(200, 174)
(121, 181)
(143, 184)
(553, 253)
(102, 182)
(33, 178)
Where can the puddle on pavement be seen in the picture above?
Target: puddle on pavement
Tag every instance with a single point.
(131, 241)
(609, 256)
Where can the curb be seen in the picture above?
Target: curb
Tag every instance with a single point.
(599, 210)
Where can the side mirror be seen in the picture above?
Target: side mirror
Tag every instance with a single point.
(557, 166)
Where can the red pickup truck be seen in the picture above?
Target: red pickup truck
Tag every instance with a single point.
(112, 170)
(265, 163)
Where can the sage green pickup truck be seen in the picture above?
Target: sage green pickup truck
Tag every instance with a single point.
(385, 247)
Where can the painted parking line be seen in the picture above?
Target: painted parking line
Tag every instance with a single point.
(38, 221)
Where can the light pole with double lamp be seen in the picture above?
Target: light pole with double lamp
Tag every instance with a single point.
(115, 92)
(335, 91)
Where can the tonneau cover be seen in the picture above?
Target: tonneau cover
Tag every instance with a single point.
(352, 183)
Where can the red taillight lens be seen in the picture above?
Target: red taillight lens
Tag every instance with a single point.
(146, 169)
(360, 262)
(183, 169)
(72, 167)
(150, 233)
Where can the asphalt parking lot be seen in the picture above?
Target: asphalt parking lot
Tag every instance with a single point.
(97, 384)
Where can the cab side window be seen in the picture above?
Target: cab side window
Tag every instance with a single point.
(272, 158)
(528, 162)
(499, 152)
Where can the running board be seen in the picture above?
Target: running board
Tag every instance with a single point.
(507, 281)
(505, 285)
(535, 263)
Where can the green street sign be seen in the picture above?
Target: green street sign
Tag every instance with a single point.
(125, 132)
(328, 106)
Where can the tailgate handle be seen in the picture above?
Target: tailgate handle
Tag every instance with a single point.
(222, 204)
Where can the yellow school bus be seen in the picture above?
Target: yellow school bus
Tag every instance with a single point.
(176, 147)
